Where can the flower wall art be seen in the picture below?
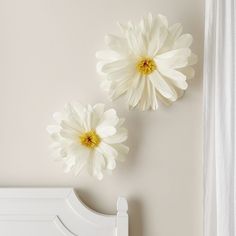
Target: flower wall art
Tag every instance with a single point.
(88, 137)
(149, 62)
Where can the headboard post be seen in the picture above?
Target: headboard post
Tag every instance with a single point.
(122, 217)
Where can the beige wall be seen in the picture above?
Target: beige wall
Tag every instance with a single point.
(47, 58)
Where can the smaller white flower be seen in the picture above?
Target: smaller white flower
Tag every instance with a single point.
(89, 137)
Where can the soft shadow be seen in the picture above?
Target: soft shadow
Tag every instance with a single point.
(135, 217)
(134, 212)
(134, 123)
(89, 201)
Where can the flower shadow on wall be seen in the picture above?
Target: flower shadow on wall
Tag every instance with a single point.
(135, 210)
(136, 127)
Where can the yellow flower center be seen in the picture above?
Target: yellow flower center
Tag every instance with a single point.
(90, 139)
(146, 66)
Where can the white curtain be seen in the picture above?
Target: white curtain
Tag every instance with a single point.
(219, 119)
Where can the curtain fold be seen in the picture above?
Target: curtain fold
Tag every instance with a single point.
(219, 118)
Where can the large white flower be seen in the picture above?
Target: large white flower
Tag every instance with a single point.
(150, 60)
(88, 137)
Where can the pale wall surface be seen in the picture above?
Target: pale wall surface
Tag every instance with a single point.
(47, 58)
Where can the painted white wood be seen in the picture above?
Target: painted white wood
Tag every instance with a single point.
(122, 217)
(56, 212)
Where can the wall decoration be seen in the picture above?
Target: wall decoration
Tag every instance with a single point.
(88, 137)
(149, 61)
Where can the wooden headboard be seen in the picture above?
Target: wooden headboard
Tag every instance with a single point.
(56, 212)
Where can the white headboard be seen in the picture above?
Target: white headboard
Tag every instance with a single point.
(56, 212)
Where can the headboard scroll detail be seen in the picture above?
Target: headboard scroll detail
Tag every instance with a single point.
(56, 212)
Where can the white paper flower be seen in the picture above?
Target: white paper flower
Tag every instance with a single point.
(148, 61)
(89, 137)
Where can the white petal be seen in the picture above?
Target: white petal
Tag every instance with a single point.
(107, 150)
(120, 88)
(78, 150)
(184, 41)
(148, 89)
(135, 92)
(99, 176)
(75, 113)
(80, 164)
(71, 126)
(106, 85)
(111, 163)
(164, 100)
(117, 44)
(94, 115)
(99, 109)
(107, 55)
(70, 162)
(51, 129)
(122, 151)
(125, 27)
(75, 108)
(173, 59)
(99, 67)
(59, 116)
(122, 27)
(98, 165)
(146, 23)
(119, 137)
(121, 81)
(153, 97)
(87, 121)
(116, 65)
(175, 31)
(136, 42)
(189, 72)
(144, 103)
(148, 99)
(56, 137)
(105, 131)
(123, 73)
(58, 153)
(157, 38)
(109, 118)
(121, 122)
(176, 77)
(68, 134)
(110, 154)
(162, 86)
